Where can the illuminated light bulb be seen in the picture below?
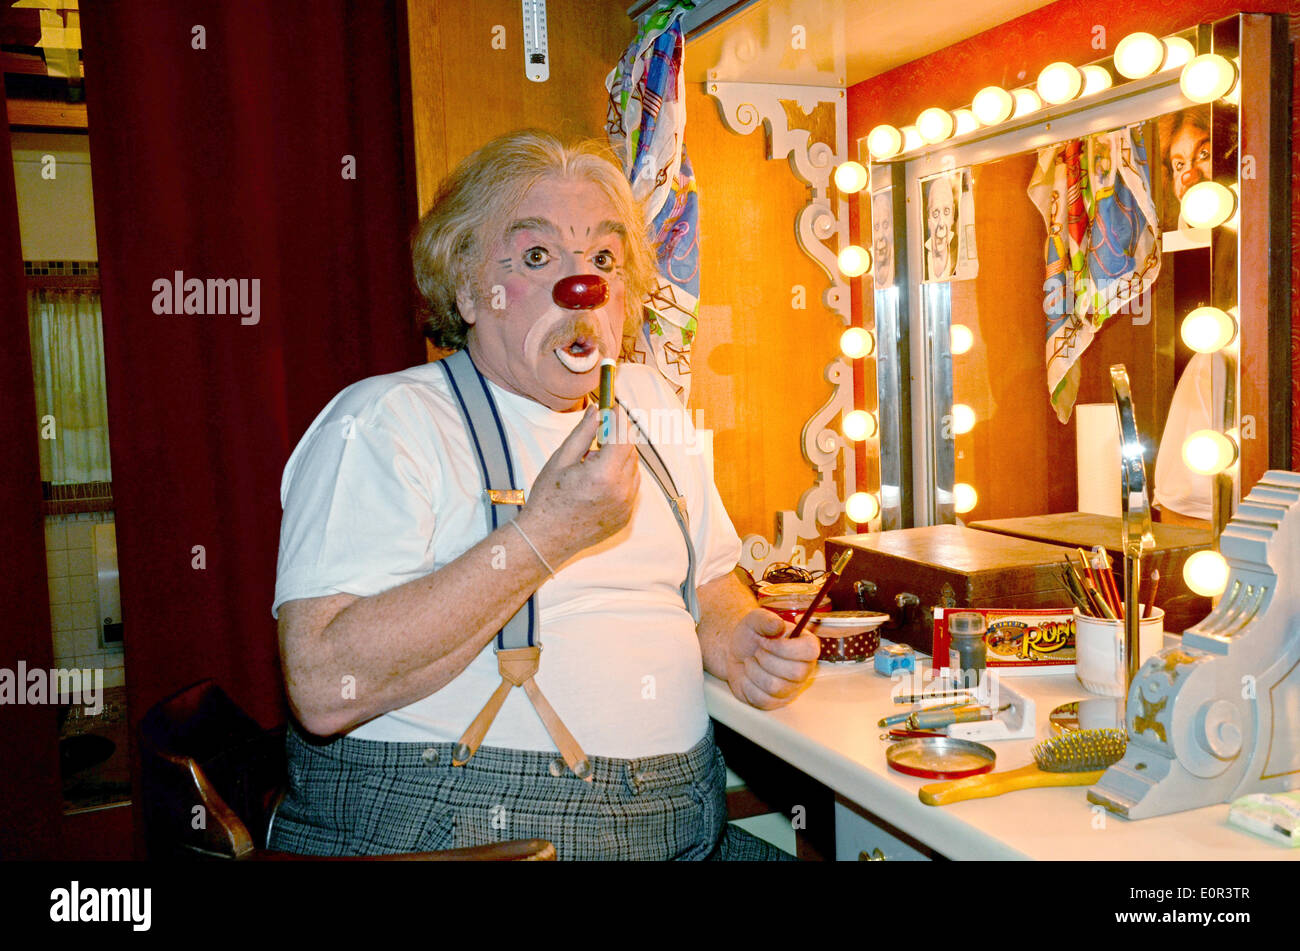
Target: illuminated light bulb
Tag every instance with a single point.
(1095, 79)
(1138, 55)
(859, 425)
(1027, 101)
(1206, 573)
(1207, 452)
(1207, 78)
(962, 338)
(965, 121)
(850, 177)
(862, 506)
(1233, 96)
(856, 343)
(1207, 329)
(1059, 82)
(964, 498)
(992, 105)
(934, 125)
(1178, 52)
(854, 261)
(963, 418)
(1208, 205)
(911, 138)
(884, 142)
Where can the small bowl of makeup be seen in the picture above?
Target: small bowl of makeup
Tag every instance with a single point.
(848, 637)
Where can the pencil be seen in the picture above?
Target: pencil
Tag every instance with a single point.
(831, 575)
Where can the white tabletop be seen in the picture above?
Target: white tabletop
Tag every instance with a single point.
(830, 733)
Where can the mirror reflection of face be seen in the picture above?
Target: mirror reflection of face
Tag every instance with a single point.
(882, 226)
(525, 340)
(1189, 158)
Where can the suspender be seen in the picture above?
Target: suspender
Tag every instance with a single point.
(517, 648)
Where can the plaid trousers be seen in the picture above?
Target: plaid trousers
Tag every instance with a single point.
(362, 797)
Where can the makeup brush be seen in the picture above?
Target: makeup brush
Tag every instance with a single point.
(1151, 597)
(836, 570)
(1099, 606)
(1076, 593)
(1077, 758)
(1108, 581)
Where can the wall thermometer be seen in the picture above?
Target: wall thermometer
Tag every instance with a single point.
(537, 65)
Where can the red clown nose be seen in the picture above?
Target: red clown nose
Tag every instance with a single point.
(580, 292)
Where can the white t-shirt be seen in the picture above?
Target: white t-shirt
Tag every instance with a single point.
(1177, 487)
(383, 489)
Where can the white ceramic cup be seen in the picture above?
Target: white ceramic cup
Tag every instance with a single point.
(1098, 645)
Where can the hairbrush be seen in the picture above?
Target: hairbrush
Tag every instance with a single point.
(1077, 758)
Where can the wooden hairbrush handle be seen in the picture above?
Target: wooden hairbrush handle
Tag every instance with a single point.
(995, 784)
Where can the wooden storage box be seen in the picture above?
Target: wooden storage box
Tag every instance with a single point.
(1174, 545)
(908, 572)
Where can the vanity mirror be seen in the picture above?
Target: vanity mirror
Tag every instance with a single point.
(1033, 245)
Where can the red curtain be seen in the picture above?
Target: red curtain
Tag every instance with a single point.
(31, 805)
(249, 141)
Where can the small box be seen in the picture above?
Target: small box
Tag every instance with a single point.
(909, 572)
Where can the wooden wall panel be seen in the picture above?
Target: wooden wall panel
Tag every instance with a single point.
(464, 92)
(758, 365)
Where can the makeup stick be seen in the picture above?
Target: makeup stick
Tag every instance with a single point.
(606, 402)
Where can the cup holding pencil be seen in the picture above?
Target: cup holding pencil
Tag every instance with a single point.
(1099, 648)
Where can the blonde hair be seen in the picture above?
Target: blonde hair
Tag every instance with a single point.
(473, 208)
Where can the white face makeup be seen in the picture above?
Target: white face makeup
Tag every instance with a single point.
(520, 338)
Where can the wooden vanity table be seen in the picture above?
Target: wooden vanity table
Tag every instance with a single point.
(830, 734)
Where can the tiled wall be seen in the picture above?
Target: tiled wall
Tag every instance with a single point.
(73, 606)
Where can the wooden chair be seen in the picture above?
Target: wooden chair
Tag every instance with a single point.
(199, 749)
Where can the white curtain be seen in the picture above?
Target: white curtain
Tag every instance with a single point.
(71, 406)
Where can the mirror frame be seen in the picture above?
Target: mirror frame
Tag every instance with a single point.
(1257, 386)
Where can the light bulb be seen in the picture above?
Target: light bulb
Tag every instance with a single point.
(911, 138)
(1207, 78)
(1233, 96)
(934, 125)
(962, 338)
(1207, 452)
(964, 498)
(1207, 329)
(1059, 82)
(850, 177)
(1095, 79)
(992, 105)
(1138, 55)
(859, 425)
(963, 418)
(884, 142)
(1206, 573)
(856, 343)
(1027, 101)
(862, 506)
(1178, 52)
(854, 261)
(965, 120)
(1208, 205)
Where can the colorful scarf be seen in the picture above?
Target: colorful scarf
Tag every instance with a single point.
(645, 124)
(1102, 249)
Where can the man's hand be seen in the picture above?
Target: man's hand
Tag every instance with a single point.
(581, 496)
(765, 668)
